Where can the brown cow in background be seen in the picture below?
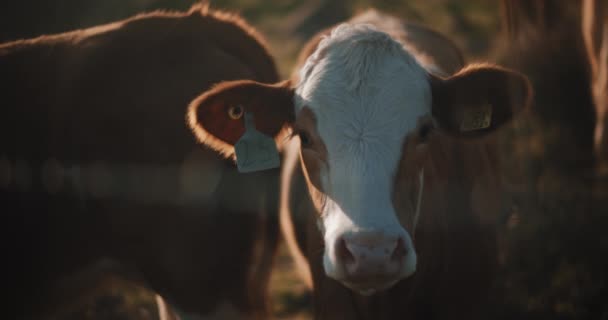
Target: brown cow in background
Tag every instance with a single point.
(543, 40)
(554, 262)
(96, 161)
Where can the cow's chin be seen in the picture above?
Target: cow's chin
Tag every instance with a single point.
(370, 287)
(372, 283)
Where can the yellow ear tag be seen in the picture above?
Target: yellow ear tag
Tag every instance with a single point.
(255, 151)
(477, 119)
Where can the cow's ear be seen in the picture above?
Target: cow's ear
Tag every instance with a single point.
(217, 117)
(478, 99)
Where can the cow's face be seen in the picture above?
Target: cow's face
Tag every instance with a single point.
(359, 96)
(361, 111)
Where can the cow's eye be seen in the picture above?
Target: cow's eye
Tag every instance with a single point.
(305, 140)
(235, 112)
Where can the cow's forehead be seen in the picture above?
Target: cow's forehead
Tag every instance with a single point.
(362, 84)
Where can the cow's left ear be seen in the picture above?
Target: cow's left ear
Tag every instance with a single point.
(479, 99)
(219, 116)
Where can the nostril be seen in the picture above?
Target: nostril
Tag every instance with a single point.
(343, 253)
(400, 250)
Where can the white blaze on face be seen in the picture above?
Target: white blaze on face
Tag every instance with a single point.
(367, 94)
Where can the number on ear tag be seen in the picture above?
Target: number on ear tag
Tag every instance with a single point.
(477, 119)
(255, 151)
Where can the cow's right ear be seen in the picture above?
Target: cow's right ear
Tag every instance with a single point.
(217, 117)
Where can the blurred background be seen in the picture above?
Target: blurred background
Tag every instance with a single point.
(561, 267)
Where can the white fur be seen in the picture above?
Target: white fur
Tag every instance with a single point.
(400, 33)
(367, 94)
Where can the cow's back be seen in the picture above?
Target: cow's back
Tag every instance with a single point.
(101, 163)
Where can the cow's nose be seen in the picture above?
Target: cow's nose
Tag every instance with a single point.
(371, 255)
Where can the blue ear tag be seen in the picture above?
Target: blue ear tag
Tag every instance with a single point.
(255, 151)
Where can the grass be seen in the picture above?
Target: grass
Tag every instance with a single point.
(291, 299)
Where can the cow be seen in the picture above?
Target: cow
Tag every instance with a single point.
(97, 162)
(383, 153)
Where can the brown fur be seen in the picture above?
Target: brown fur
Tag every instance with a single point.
(113, 98)
(208, 114)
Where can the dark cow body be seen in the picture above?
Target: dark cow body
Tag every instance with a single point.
(536, 32)
(562, 211)
(96, 161)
